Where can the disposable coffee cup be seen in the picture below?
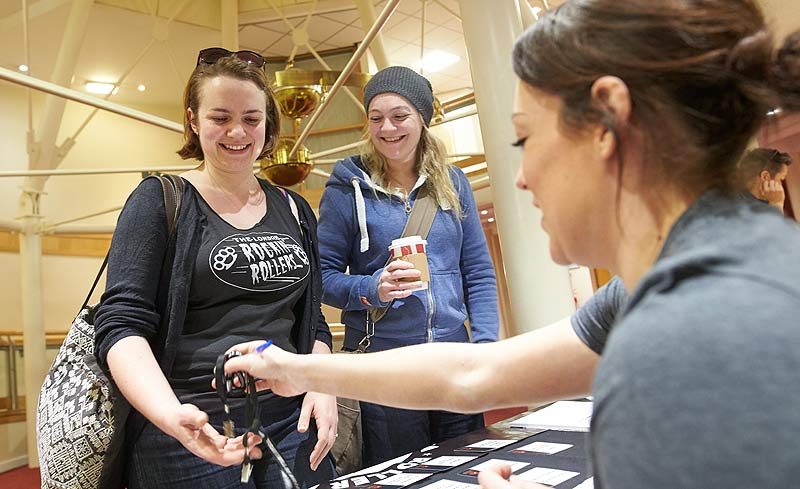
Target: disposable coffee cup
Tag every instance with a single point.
(412, 249)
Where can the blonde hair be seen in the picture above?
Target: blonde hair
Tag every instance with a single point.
(430, 161)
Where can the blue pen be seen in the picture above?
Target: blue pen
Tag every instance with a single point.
(263, 346)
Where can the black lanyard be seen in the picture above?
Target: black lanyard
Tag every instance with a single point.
(226, 386)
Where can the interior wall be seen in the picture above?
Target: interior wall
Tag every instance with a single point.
(13, 128)
(12, 446)
(10, 294)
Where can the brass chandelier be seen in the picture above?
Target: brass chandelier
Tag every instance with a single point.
(298, 93)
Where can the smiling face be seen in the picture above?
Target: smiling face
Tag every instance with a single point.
(567, 176)
(395, 127)
(230, 123)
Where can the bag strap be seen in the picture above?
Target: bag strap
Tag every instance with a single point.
(422, 214)
(172, 185)
(292, 205)
(419, 223)
(173, 193)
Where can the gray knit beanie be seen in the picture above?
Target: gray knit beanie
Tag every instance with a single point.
(404, 82)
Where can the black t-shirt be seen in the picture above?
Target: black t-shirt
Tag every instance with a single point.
(245, 285)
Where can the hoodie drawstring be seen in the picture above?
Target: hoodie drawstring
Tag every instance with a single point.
(361, 215)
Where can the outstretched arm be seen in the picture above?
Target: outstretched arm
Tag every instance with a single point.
(543, 365)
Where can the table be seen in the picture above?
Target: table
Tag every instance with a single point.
(556, 458)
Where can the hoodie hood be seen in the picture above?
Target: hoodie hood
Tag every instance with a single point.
(350, 172)
(348, 169)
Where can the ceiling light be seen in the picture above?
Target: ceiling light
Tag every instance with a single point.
(23, 68)
(484, 212)
(141, 88)
(436, 61)
(491, 219)
(101, 88)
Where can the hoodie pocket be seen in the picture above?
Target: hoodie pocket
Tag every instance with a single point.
(450, 312)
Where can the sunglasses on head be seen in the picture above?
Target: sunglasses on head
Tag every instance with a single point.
(210, 56)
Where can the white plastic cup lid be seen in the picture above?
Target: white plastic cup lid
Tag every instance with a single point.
(409, 245)
(408, 240)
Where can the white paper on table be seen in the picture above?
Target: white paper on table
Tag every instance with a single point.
(491, 443)
(496, 461)
(544, 475)
(561, 416)
(449, 461)
(402, 479)
(544, 447)
(448, 484)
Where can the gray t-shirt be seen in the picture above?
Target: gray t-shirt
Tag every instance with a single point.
(699, 383)
(593, 321)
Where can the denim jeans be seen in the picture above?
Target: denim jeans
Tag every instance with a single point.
(157, 460)
(391, 432)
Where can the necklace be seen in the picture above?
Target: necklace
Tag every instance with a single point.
(255, 196)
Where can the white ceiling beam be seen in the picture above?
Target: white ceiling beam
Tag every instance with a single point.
(229, 24)
(367, 13)
(76, 96)
(294, 11)
(37, 9)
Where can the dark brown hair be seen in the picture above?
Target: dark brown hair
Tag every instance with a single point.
(756, 160)
(231, 67)
(702, 75)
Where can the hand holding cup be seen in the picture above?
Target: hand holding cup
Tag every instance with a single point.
(398, 280)
(407, 271)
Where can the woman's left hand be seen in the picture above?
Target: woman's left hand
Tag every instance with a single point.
(323, 408)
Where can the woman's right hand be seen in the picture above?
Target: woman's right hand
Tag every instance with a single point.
(189, 425)
(267, 367)
(397, 280)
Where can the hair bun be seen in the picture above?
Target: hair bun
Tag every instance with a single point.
(786, 72)
(751, 56)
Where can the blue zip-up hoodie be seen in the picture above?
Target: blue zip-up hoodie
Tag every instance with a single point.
(355, 230)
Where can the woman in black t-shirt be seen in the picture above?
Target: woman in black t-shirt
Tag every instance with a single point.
(239, 266)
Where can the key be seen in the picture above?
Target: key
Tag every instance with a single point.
(247, 468)
(227, 427)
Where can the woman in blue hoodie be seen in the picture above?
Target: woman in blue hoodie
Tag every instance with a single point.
(365, 206)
